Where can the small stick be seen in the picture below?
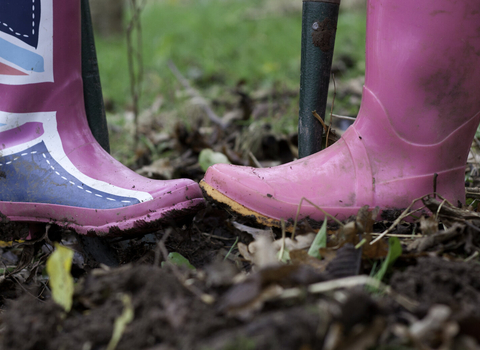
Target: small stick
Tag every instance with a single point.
(343, 117)
(350, 282)
(331, 109)
(282, 249)
(315, 114)
(400, 218)
(439, 208)
(471, 257)
(316, 207)
(472, 192)
(206, 298)
(397, 235)
(257, 163)
(217, 237)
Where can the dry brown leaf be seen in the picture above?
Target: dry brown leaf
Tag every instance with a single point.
(301, 257)
(428, 226)
(437, 239)
(378, 250)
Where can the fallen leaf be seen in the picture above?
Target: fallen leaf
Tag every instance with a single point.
(179, 260)
(301, 257)
(61, 281)
(428, 226)
(208, 158)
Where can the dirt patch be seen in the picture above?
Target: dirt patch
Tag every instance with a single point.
(11, 231)
(179, 308)
(169, 316)
(438, 281)
(165, 313)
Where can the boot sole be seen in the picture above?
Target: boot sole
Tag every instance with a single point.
(251, 216)
(255, 218)
(80, 219)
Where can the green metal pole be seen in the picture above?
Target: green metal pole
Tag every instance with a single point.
(95, 248)
(319, 26)
(92, 89)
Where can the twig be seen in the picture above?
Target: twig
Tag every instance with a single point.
(343, 117)
(158, 250)
(476, 141)
(449, 211)
(349, 282)
(282, 248)
(135, 60)
(472, 192)
(206, 298)
(316, 207)
(217, 237)
(316, 115)
(397, 221)
(194, 93)
(397, 235)
(26, 290)
(471, 257)
(330, 133)
(331, 109)
(257, 163)
(439, 208)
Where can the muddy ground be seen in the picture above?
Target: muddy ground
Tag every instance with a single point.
(235, 293)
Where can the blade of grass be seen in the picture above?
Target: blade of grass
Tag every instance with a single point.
(320, 241)
(394, 251)
(231, 249)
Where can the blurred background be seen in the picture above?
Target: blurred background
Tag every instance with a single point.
(237, 59)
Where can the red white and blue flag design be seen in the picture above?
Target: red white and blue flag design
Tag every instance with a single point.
(26, 45)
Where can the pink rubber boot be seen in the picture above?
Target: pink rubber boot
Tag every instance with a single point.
(419, 113)
(51, 168)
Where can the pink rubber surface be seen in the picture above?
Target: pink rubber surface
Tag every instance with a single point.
(63, 98)
(420, 110)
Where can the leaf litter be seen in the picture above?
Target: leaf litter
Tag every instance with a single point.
(219, 283)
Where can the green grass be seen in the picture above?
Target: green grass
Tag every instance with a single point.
(217, 42)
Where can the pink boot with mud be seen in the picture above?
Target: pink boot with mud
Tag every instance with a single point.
(51, 168)
(419, 113)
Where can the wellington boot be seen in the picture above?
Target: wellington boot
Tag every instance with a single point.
(51, 168)
(420, 110)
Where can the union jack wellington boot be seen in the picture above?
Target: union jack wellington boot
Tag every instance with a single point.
(51, 168)
(419, 113)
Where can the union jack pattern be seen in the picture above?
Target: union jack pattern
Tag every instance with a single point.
(26, 41)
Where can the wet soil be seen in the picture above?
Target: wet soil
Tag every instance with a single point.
(437, 281)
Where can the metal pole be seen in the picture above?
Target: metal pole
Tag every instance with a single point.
(95, 248)
(92, 89)
(319, 26)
